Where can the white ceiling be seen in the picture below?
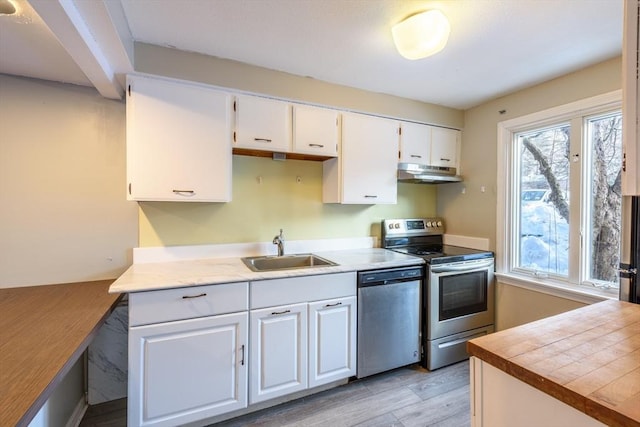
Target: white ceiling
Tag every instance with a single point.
(495, 46)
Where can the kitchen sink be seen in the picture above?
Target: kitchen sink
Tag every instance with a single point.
(285, 262)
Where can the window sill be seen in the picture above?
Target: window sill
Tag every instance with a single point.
(577, 293)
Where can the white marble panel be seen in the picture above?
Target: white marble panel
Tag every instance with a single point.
(107, 367)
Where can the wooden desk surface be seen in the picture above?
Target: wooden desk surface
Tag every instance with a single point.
(43, 332)
(589, 358)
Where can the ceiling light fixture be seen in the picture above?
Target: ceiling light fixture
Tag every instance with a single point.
(422, 34)
(7, 8)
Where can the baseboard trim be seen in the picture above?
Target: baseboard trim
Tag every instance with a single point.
(78, 413)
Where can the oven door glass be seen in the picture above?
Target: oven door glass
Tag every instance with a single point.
(462, 294)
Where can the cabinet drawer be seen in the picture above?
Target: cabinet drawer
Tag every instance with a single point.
(292, 290)
(185, 303)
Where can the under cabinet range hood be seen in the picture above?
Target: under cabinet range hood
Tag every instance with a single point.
(423, 174)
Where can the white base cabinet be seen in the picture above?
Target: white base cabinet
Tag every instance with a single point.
(332, 340)
(278, 351)
(187, 370)
(203, 351)
(500, 400)
(308, 340)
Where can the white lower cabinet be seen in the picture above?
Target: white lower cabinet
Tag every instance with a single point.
(332, 340)
(278, 351)
(307, 340)
(500, 400)
(199, 352)
(187, 370)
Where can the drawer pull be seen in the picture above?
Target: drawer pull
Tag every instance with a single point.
(416, 156)
(242, 360)
(333, 305)
(262, 139)
(316, 145)
(275, 313)
(445, 160)
(184, 192)
(194, 296)
(370, 196)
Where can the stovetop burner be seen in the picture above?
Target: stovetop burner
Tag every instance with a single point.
(423, 238)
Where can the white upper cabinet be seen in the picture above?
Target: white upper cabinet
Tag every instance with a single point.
(631, 101)
(366, 172)
(445, 145)
(262, 124)
(316, 131)
(415, 143)
(178, 141)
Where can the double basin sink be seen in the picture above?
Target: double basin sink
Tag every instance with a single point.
(285, 262)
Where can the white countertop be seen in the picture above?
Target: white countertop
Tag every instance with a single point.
(208, 271)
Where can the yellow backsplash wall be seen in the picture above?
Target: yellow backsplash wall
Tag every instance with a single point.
(266, 197)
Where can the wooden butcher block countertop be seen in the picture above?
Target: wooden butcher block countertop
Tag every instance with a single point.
(43, 332)
(588, 358)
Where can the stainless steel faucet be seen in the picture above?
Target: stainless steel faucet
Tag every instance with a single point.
(279, 240)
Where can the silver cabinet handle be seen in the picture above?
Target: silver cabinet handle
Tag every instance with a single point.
(194, 296)
(262, 139)
(416, 156)
(242, 360)
(333, 305)
(445, 160)
(275, 313)
(184, 191)
(316, 145)
(370, 196)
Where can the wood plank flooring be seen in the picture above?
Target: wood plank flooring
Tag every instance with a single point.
(405, 397)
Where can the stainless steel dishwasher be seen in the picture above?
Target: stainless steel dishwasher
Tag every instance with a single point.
(388, 319)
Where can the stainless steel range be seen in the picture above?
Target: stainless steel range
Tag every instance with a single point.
(458, 295)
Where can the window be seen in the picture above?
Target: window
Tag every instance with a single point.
(560, 205)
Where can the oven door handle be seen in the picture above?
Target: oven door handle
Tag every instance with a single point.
(463, 267)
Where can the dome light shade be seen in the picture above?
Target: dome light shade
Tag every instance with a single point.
(421, 35)
(7, 8)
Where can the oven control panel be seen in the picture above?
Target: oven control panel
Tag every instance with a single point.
(411, 227)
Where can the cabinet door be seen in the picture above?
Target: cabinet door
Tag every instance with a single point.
(278, 352)
(178, 141)
(415, 143)
(631, 100)
(315, 131)
(262, 124)
(332, 340)
(187, 370)
(444, 147)
(369, 159)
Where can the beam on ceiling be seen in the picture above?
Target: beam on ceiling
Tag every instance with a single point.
(70, 28)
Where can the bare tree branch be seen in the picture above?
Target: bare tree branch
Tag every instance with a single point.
(556, 196)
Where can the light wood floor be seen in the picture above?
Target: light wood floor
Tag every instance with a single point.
(408, 397)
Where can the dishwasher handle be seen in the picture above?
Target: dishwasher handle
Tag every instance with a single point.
(385, 277)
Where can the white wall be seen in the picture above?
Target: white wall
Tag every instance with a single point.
(63, 210)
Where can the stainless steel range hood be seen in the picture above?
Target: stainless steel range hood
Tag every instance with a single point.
(423, 174)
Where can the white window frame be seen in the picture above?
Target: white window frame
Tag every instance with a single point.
(505, 214)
